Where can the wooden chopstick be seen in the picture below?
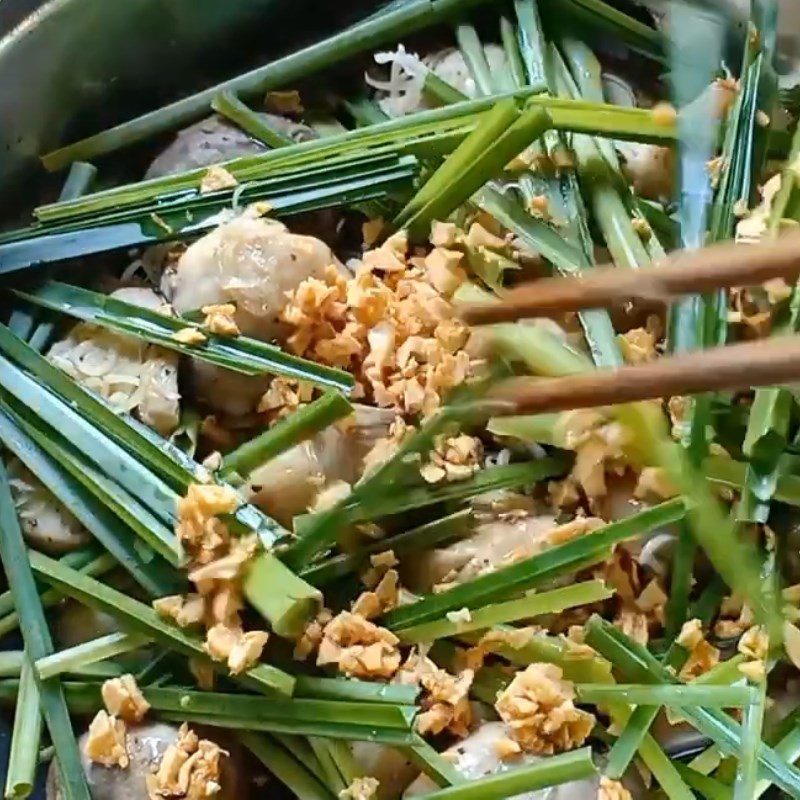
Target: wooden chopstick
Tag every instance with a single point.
(738, 366)
(689, 272)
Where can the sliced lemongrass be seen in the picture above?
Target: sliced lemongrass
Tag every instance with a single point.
(142, 618)
(113, 644)
(636, 663)
(672, 696)
(299, 747)
(441, 91)
(541, 351)
(364, 111)
(232, 108)
(491, 479)
(707, 787)
(527, 607)
(240, 353)
(301, 425)
(553, 771)
(473, 172)
(744, 787)
(475, 58)
(333, 778)
(531, 572)
(38, 644)
(136, 517)
(441, 771)
(630, 740)
(349, 690)
(287, 769)
(11, 662)
(286, 600)
(789, 749)
(424, 537)
(26, 734)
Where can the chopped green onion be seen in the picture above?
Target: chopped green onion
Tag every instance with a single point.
(672, 696)
(231, 107)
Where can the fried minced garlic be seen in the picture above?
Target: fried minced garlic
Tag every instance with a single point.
(216, 178)
(492, 641)
(453, 458)
(735, 617)
(361, 789)
(573, 529)
(189, 335)
(284, 397)
(538, 706)
(216, 565)
(445, 699)
(599, 447)
(383, 598)
(702, 655)
(638, 346)
(654, 481)
(219, 319)
(754, 643)
(123, 698)
(755, 671)
(241, 651)
(388, 324)
(612, 790)
(358, 647)
(106, 742)
(189, 769)
(633, 624)
(311, 637)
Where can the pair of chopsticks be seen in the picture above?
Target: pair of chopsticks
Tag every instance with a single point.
(736, 367)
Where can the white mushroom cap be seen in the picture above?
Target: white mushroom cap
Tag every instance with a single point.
(46, 522)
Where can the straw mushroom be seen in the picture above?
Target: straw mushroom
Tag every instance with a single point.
(214, 139)
(146, 744)
(477, 756)
(46, 523)
(289, 484)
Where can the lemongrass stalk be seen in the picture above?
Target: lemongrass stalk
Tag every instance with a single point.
(299, 747)
(342, 756)
(424, 537)
(441, 771)
(636, 663)
(789, 749)
(25, 737)
(440, 91)
(508, 36)
(531, 429)
(286, 600)
(354, 691)
(285, 767)
(744, 787)
(541, 351)
(114, 644)
(535, 571)
(50, 597)
(390, 25)
(79, 180)
(630, 740)
(672, 696)
(475, 58)
(232, 108)
(333, 778)
(541, 647)
(709, 788)
(11, 663)
(527, 607)
(573, 766)
(364, 111)
(302, 424)
(140, 617)
(38, 644)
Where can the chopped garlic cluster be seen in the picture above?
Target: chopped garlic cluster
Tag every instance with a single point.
(702, 655)
(123, 698)
(189, 769)
(445, 699)
(216, 564)
(538, 706)
(359, 648)
(388, 324)
(612, 790)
